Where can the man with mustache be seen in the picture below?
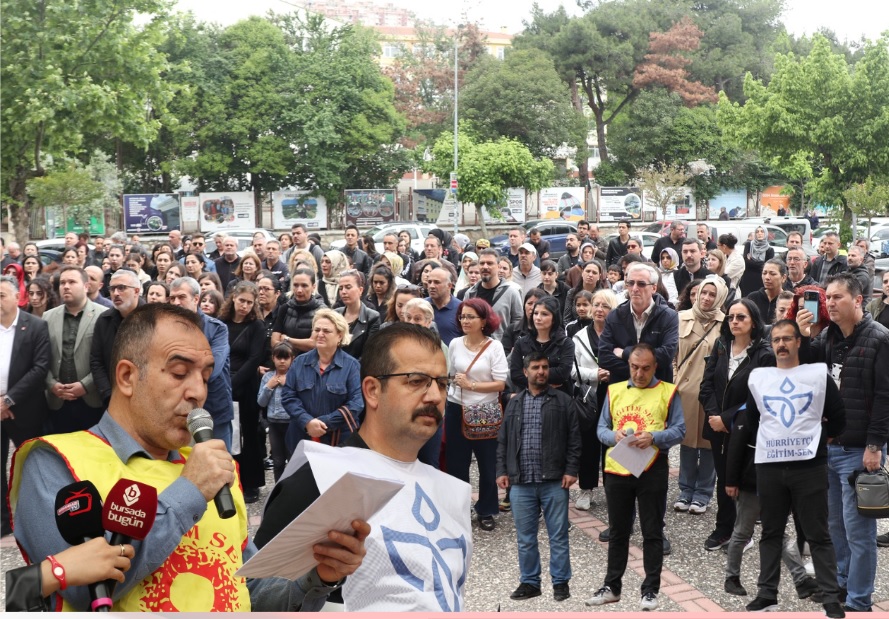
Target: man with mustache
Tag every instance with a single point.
(420, 543)
(793, 412)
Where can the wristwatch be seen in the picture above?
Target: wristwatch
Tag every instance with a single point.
(873, 448)
(58, 571)
(8, 401)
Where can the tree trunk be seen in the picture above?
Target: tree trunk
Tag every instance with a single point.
(600, 134)
(19, 214)
(583, 171)
(481, 219)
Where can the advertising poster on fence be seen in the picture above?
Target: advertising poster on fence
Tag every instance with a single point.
(226, 210)
(773, 199)
(299, 207)
(151, 212)
(616, 203)
(190, 208)
(734, 201)
(369, 207)
(562, 203)
(513, 212)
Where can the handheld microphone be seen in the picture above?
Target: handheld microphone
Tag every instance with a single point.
(629, 432)
(200, 425)
(79, 519)
(128, 514)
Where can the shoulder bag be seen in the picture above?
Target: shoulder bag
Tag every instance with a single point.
(482, 421)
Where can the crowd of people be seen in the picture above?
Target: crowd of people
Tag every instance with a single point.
(500, 358)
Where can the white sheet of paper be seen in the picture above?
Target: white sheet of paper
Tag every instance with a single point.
(289, 553)
(633, 459)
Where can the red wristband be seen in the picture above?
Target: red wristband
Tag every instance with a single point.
(58, 571)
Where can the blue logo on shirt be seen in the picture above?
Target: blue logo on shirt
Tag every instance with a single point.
(785, 407)
(425, 513)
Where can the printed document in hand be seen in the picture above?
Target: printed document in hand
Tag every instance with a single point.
(633, 459)
(289, 554)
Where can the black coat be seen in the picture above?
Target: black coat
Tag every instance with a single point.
(367, 324)
(295, 319)
(31, 357)
(752, 278)
(100, 354)
(559, 349)
(560, 440)
(247, 352)
(721, 396)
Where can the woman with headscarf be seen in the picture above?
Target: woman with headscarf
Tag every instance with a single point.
(463, 279)
(756, 253)
(333, 262)
(668, 265)
(575, 273)
(395, 262)
(699, 328)
(15, 270)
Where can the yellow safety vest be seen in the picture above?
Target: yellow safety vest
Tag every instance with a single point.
(199, 575)
(644, 410)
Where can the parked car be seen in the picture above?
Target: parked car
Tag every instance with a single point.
(553, 230)
(418, 232)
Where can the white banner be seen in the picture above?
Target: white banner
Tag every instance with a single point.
(513, 212)
(791, 403)
(299, 207)
(227, 210)
(563, 203)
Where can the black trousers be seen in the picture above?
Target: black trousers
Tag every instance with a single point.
(622, 493)
(73, 416)
(590, 457)
(726, 511)
(250, 459)
(803, 490)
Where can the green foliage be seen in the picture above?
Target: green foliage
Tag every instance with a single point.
(663, 185)
(70, 69)
(609, 174)
(71, 190)
(820, 110)
(522, 98)
(868, 199)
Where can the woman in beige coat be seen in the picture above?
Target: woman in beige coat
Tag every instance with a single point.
(698, 331)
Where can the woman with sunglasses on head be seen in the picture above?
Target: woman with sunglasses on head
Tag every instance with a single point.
(363, 322)
(739, 350)
(322, 391)
(480, 370)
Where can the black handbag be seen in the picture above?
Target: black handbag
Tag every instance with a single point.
(583, 404)
(871, 492)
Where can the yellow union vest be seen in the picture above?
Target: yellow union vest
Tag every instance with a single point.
(644, 410)
(200, 573)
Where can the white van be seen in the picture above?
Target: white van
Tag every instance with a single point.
(745, 228)
(789, 224)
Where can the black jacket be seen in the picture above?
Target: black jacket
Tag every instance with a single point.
(663, 243)
(817, 268)
(100, 354)
(661, 331)
(359, 259)
(683, 278)
(863, 384)
(560, 440)
(295, 319)
(766, 308)
(616, 250)
(367, 324)
(721, 396)
(752, 278)
(867, 283)
(226, 270)
(559, 349)
(247, 352)
(31, 357)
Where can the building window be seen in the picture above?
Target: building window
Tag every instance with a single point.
(391, 50)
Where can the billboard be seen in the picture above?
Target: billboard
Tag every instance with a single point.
(734, 201)
(370, 207)
(299, 207)
(616, 203)
(514, 210)
(151, 212)
(54, 219)
(772, 199)
(563, 203)
(226, 210)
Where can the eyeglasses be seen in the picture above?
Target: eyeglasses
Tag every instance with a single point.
(120, 288)
(417, 380)
(738, 317)
(466, 317)
(630, 283)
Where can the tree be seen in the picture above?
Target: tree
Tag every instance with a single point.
(70, 69)
(71, 191)
(522, 98)
(868, 199)
(487, 169)
(822, 106)
(664, 185)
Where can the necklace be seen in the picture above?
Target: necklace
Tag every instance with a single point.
(473, 347)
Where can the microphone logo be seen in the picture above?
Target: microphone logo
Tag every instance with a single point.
(131, 495)
(78, 502)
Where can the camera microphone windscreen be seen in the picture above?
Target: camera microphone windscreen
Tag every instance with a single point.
(79, 512)
(129, 511)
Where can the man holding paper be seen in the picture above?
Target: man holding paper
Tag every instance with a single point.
(643, 414)
(420, 543)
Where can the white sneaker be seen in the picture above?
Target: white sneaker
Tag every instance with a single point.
(648, 602)
(604, 596)
(697, 508)
(584, 501)
(681, 505)
(810, 569)
(748, 546)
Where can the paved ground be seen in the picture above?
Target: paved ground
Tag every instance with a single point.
(692, 578)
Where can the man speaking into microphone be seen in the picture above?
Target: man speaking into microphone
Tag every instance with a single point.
(188, 560)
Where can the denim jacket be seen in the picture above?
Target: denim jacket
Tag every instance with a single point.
(307, 394)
